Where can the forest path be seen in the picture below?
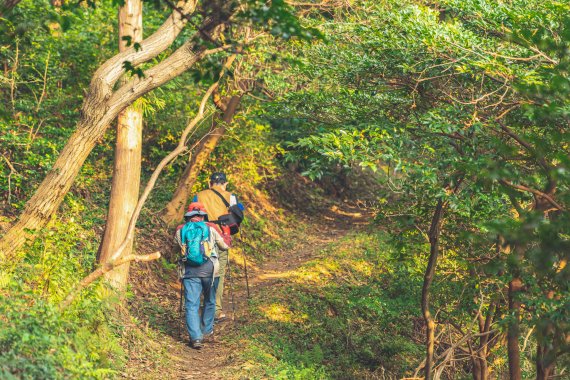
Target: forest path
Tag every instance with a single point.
(184, 362)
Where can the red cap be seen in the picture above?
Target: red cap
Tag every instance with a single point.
(196, 208)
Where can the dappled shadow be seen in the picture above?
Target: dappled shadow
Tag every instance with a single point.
(156, 298)
(156, 288)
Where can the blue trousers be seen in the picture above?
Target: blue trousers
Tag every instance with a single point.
(197, 324)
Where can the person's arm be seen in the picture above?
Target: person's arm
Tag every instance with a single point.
(219, 240)
(178, 239)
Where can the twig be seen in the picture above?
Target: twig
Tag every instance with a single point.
(533, 191)
(181, 148)
(116, 259)
(43, 94)
(12, 171)
(526, 339)
(541, 161)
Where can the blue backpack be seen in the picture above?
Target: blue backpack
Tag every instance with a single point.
(194, 236)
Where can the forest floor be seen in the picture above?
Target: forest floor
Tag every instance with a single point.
(157, 300)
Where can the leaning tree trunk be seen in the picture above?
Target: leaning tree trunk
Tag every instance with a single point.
(175, 208)
(433, 235)
(100, 107)
(127, 164)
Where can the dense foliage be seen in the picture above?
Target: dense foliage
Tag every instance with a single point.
(457, 104)
(449, 119)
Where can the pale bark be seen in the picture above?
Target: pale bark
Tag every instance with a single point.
(118, 258)
(180, 148)
(174, 210)
(100, 107)
(127, 163)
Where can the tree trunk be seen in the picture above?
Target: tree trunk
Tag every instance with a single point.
(513, 333)
(100, 108)
(7, 5)
(544, 363)
(127, 164)
(434, 233)
(483, 354)
(174, 210)
(475, 362)
(484, 339)
(546, 347)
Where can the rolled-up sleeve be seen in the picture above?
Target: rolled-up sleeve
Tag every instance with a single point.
(219, 240)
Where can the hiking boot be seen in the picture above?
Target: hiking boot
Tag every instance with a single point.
(197, 344)
(220, 318)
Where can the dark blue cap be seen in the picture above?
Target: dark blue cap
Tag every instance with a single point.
(218, 178)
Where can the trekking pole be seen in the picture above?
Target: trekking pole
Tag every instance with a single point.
(182, 307)
(231, 290)
(245, 267)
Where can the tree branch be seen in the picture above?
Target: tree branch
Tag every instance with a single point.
(539, 158)
(116, 260)
(180, 148)
(151, 47)
(533, 191)
(177, 63)
(95, 118)
(107, 267)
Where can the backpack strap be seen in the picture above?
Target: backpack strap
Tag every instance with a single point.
(221, 197)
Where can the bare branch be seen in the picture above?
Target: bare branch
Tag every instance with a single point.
(177, 63)
(180, 148)
(12, 171)
(533, 191)
(107, 267)
(151, 47)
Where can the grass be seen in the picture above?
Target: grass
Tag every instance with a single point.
(335, 316)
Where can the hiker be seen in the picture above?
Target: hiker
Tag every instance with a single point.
(201, 244)
(217, 199)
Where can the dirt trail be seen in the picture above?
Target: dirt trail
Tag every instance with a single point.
(187, 363)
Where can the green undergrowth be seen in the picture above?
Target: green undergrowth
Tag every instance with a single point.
(351, 312)
(90, 339)
(37, 340)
